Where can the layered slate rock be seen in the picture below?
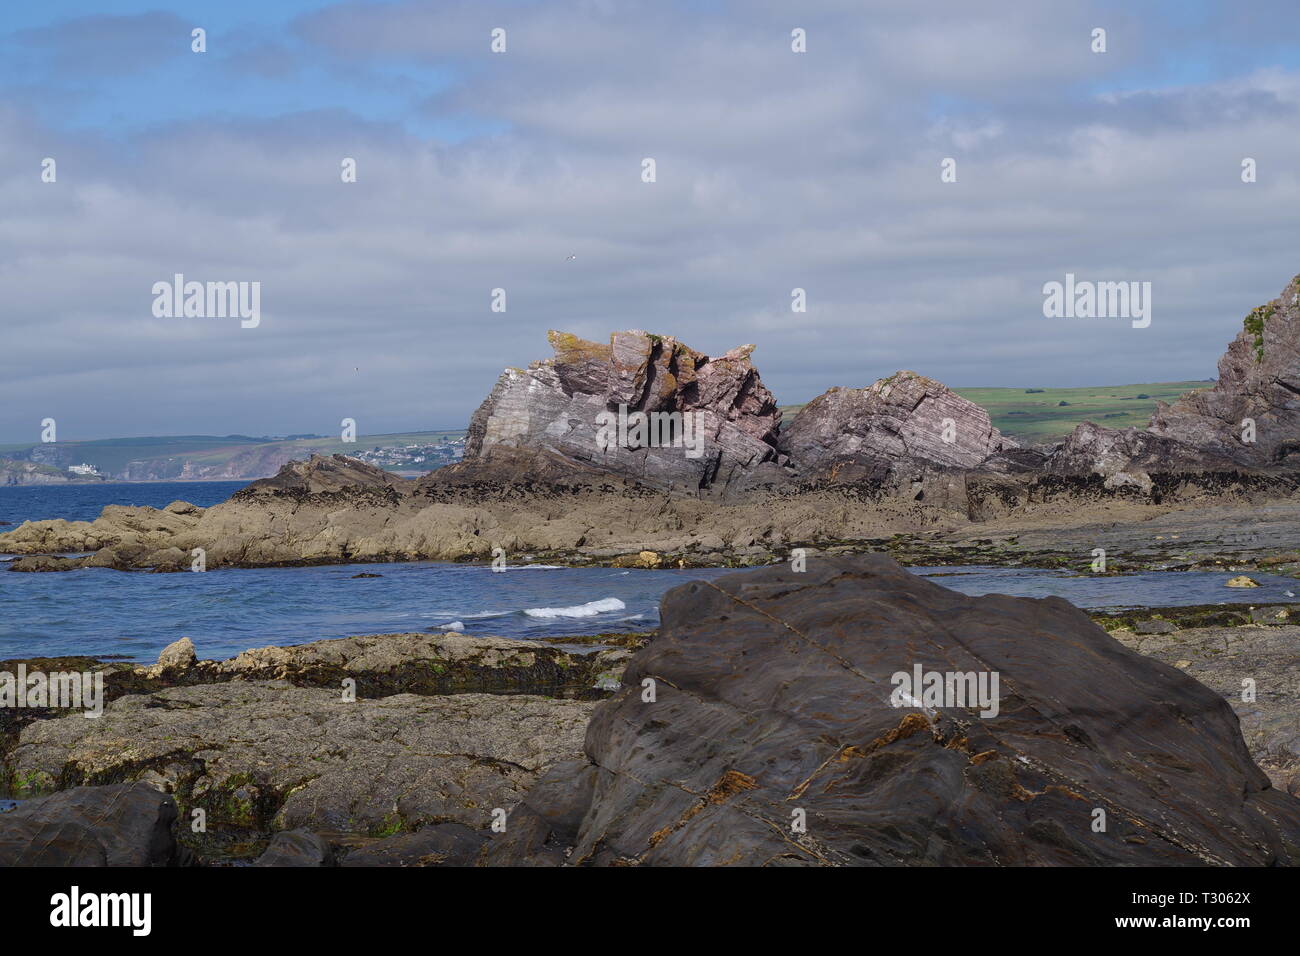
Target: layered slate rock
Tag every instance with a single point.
(1210, 430)
(555, 406)
(773, 703)
(327, 475)
(1127, 458)
(899, 424)
(122, 825)
(1259, 379)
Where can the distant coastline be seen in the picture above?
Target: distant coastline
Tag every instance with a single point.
(1028, 415)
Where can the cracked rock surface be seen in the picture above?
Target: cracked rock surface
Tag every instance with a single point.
(773, 704)
(261, 757)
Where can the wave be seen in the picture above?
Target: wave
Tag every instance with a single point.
(590, 609)
(531, 567)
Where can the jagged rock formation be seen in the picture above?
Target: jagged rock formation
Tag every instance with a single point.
(899, 424)
(775, 705)
(555, 404)
(1127, 458)
(1259, 379)
(1249, 419)
(332, 475)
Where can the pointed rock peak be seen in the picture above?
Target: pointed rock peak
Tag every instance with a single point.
(1252, 413)
(557, 403)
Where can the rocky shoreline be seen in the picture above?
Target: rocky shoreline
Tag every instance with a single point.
(757, 726)
(449, 734)
(1239, 524)
(703, 471)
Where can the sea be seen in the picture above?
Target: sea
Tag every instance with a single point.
(133, 615)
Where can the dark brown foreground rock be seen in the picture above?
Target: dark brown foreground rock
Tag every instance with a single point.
(124, 825)
(1256, 669)
(773, 706)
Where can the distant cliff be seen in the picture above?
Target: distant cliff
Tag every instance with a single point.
(229, 458)
(32, 473)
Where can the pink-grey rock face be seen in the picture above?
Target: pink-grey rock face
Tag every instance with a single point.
(555, 406)
(901, 422)
(1093, 449)
(1259, 379)
(1208, 430)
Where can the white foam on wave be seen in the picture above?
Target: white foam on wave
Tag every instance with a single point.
(590, 609)
(530, 567)
(457, 626)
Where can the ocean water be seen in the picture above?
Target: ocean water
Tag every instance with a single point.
(21, 503)
(106, 613)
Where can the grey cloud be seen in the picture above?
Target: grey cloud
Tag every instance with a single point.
(775, 171)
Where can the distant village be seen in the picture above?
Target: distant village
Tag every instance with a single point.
(414, 457)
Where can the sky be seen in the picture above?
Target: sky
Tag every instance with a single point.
(477, 170)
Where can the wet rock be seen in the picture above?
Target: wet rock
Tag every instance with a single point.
(1154, 626)
(898, 424)
(1273, 615)
(774, 704)
(266, 756)
(297, 848)
(447, 663)
(44, 562)
(127, 824)
(443, 844)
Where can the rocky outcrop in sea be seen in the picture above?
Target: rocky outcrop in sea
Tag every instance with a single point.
(704, 421)
(559, 465)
